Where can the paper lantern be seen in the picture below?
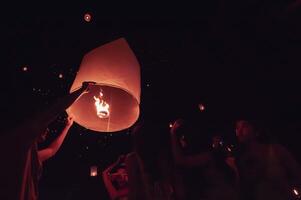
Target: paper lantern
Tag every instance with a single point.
(93, 171)
(113, 102)
(87, 17)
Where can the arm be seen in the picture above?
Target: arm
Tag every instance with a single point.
(137, 184)
(232, 163)
(179, 157)
(291, 165)
(113, 192)
(187, 161)
(40, 121)
(56, 144)
(108, 183)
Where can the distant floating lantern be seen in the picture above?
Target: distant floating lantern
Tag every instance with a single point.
(24, 68)
(112, 104)
(201, 107)
(93, 171)
(87, 17)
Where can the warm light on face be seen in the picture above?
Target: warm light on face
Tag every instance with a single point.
(102, 108)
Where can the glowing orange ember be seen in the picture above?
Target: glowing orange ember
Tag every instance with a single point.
(102, 108)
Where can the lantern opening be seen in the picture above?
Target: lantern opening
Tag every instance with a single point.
(102, 107)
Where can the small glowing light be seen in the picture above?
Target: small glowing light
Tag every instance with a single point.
(87, 147)
(170, 125)
(93, 171)
(87, 17)
(60, 75)
(102, 108)
(147, 85)
(295, 191)
(229, 149)
(201, 107)
(24, 69)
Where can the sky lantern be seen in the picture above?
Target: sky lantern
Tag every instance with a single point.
(201, 107)
(87, 17)
(113, 102)
(93, 171)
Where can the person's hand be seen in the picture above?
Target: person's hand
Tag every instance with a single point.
(86, 86)
(69, 121)
(175, 126)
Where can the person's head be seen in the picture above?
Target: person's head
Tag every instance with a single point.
(151, 141)
(216, 141)
(120, 177)
(246, 131)
(43, 136)
(151, 136)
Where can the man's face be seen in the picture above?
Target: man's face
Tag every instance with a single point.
(244, 131)
(120, 177)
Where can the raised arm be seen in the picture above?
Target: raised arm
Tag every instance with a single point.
(113, 192)
(184, 160)
(40, 121)
(138, 188)
(51, 150)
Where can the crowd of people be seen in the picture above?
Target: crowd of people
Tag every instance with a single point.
(163, 165)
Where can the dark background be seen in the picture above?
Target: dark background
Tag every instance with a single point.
(238, 59)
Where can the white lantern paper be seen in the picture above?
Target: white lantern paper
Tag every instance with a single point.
(116, 71)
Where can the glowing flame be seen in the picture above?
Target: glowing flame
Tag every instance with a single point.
(102, 108)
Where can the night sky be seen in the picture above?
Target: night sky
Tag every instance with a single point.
(237, 59)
